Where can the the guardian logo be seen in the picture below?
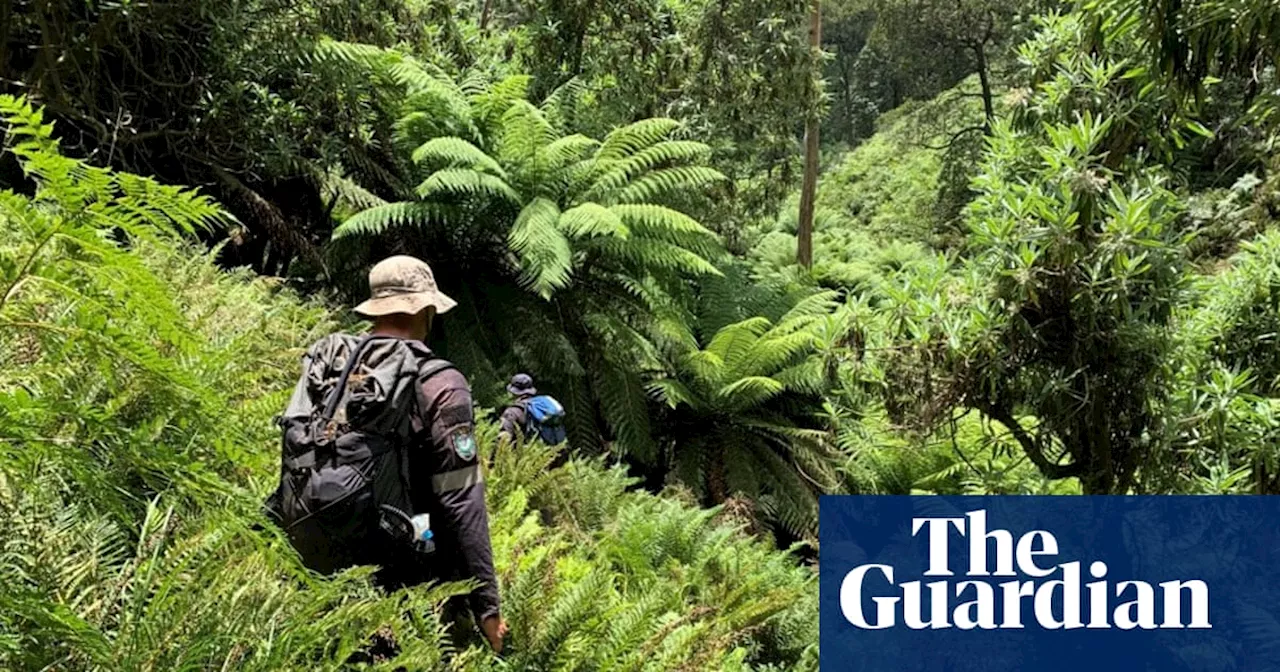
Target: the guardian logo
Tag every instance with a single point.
(1053, 595)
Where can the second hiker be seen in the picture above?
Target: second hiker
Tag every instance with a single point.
(529, 414)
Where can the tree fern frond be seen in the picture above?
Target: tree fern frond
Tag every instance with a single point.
(807, 377)
(524, 131)
(623, 401)
(657, 184)
(349, 53)
(559, 153)
(346, 190)
(635, 137)
(662, 222)
(457, 153)
(378, 220)
(707, 365)
(494, 100)
(614, 173)
(544, 251)
(592, 219)
(466, 182)
(771, 353)
(655, 255)
(561, 106)
(750, 391)
(734, 342)
(672, 392)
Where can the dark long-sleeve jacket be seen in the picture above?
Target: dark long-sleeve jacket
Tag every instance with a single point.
(513, 420)
(446, 481)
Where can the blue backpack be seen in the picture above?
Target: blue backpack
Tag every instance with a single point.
(544, 415)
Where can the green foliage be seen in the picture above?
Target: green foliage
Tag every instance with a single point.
(228, 95)
(578, 238)
(878, 204)
(136, 441)
(1082, 268)
(738, 426)
(1067, 321)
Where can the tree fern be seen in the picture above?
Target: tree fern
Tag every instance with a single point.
(528, 201)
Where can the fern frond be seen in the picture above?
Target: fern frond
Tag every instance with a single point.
(635, 137)
(466, 182)
(544, 251)
(591, 220)
(771, 353)
(660, 183)
(346, 190)
(623, 402)
(524, 131)
(663, 223)
(492, 101)
(750, 391)
(673, 393)
(614, 173)
(457, 153)
(656, 255)
(381, 219)
(734, 342)
(559, 153)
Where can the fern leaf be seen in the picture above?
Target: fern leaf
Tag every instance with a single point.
(660, 183)
(635, 137)
(593, 219)
(667, 225)
(673, 393)
(611, 174)
(378, 220)
(457, 153)
(466, 182)
(544, 251)
(750, 391)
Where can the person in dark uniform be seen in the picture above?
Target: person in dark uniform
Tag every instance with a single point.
(445, 477)
(514, 422)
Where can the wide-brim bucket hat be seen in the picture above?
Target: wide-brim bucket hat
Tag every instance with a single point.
(403, 284)
(522, 384)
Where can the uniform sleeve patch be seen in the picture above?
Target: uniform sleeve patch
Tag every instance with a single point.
(464, 444)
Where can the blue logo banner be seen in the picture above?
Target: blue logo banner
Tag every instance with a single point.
(1079, 584)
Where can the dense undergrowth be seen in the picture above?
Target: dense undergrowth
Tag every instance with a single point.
(138, 384)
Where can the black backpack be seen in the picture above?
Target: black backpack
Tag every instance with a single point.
(343, 497)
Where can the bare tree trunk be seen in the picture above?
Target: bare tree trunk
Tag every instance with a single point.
(484, 14)
(804, 238)
(984, 76)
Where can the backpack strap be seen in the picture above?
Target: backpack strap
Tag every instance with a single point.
(530, 422)
(352, 361)
(433, 366)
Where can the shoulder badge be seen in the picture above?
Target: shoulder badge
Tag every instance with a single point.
(464, 444)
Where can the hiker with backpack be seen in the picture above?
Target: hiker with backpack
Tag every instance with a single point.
(531, 414)
(378, 463)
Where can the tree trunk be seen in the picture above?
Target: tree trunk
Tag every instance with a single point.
(804, 242)
(984, 76)
(484, 14)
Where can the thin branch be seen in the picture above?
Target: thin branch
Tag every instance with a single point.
(1030, 445)
(951, 140)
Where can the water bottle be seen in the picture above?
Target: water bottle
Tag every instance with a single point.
(422, 535)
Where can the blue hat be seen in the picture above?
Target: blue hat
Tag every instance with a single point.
(522, 384)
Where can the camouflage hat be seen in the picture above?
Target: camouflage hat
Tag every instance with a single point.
(403, 284)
